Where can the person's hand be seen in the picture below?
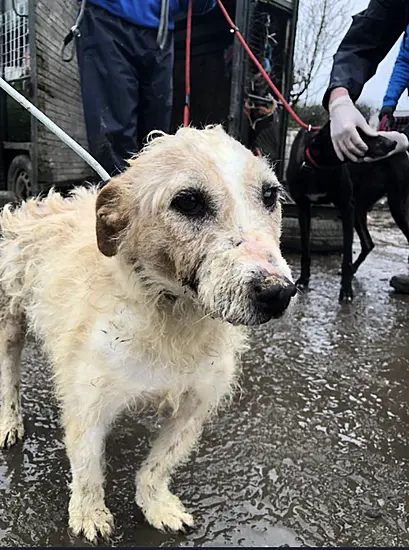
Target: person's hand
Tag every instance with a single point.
(345, 119)
(402, 144)
(386, 117)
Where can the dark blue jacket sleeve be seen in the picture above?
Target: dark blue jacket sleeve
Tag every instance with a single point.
(199, 7)
(399, 79)
(370, 37)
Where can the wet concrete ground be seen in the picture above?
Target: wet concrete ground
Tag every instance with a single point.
(314, 452)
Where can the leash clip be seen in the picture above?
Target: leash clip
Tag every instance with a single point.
(306, 167)
(73, 34)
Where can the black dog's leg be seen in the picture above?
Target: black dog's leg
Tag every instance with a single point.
(398, 205)
(347, 215)
(304, 220)
(365, 239)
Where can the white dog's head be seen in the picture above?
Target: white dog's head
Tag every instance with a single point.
(198, 213)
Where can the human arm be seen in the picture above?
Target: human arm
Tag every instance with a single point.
(398, 81)
(370, 37)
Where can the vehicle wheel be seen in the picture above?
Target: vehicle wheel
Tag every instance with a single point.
(6, 197)
(20, 177)
(326, 232)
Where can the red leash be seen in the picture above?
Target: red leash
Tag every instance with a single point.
(384, 125)
(277, 92)
(236, 31)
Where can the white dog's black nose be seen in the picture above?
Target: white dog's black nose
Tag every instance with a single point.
(274, 298)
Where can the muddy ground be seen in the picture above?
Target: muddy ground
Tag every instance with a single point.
(314, 452)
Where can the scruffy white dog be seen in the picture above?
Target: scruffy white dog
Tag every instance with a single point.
(137, 292)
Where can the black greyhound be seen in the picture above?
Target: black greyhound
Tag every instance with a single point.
(353, 188)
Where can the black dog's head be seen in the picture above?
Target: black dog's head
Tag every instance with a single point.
(318, 151)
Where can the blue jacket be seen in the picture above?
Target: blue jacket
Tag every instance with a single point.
(399, 79)
(146, 13)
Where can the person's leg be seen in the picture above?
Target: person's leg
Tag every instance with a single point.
(109, 87)
(155, 69)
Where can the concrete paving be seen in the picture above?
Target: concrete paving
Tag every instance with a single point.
(314, 451)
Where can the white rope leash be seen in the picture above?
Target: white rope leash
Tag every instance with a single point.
(76, 147)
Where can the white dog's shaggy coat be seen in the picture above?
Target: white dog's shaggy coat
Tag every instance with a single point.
(137, 292)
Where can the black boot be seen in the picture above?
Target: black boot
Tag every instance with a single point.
(400, 283)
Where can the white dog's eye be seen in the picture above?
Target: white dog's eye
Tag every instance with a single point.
(191, 202)
(270, 195)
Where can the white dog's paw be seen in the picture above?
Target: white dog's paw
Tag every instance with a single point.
(11, 430)
(165, 512)
(91, 522)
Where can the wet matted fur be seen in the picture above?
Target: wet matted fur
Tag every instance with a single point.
(139, 293)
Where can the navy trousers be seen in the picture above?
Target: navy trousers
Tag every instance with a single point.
(126, 85)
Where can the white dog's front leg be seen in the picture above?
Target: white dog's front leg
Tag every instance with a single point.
(85, 432)
(161, 508)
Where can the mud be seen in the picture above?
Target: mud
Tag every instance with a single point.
(313, 452)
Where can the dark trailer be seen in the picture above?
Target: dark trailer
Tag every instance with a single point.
(226, 88)
(32, 159)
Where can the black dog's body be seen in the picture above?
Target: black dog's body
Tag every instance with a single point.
(354, 189)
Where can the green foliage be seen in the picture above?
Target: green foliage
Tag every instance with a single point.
(315, 115)
(366, 109)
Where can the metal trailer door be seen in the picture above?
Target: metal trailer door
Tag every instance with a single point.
(2, 103)
(237, 124)
(257, 19)
(15, 67)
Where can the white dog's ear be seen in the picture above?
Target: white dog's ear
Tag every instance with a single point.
(112, 217)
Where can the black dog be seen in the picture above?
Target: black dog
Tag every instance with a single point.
(353, 188)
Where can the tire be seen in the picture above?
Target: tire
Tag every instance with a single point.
(20, 177)
(326, 232)
(6, 197)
